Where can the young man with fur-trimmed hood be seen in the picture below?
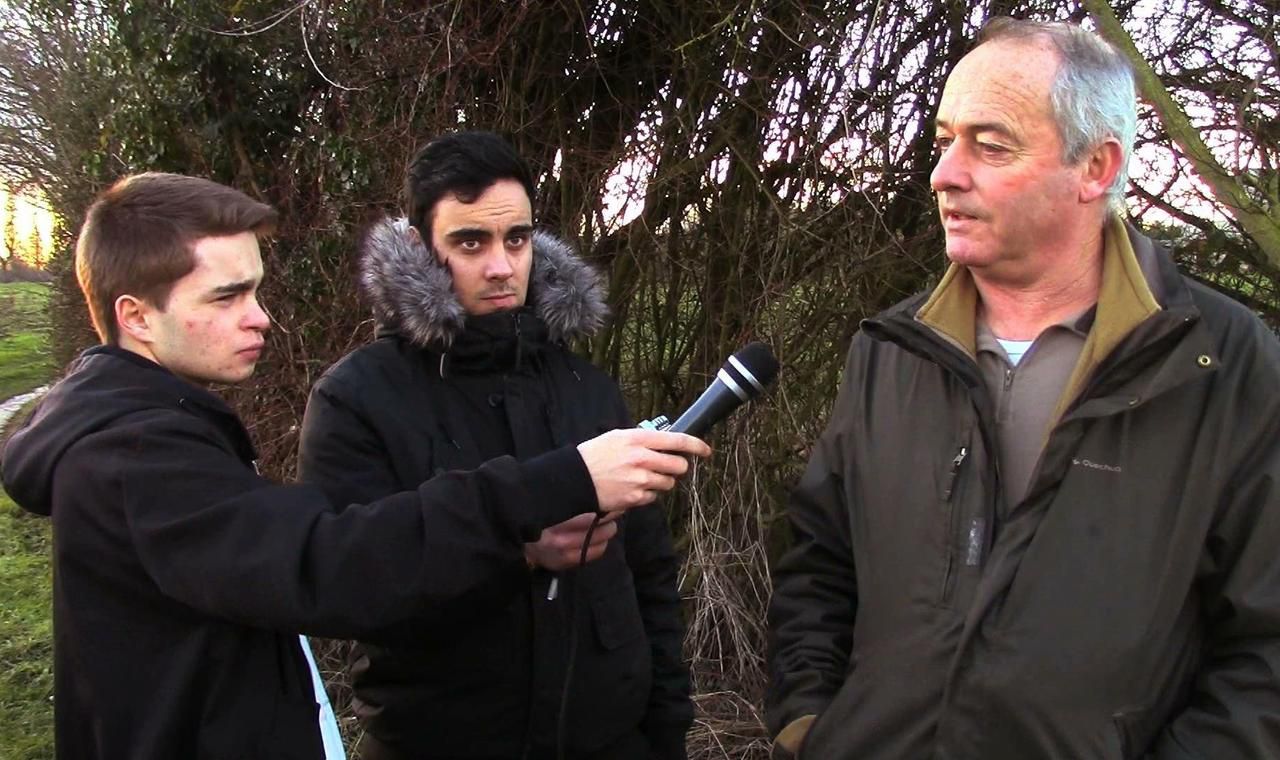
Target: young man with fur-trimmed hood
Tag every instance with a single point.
(470, 363)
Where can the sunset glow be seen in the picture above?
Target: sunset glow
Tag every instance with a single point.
(26, 226)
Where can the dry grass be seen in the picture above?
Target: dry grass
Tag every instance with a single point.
(725, 579)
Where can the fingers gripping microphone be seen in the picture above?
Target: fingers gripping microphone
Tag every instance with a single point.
(743, 377)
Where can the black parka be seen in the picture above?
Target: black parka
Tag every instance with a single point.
(485, 680)
(182, 578)
(1127, 607)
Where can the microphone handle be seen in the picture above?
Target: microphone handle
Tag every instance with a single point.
(712, 406)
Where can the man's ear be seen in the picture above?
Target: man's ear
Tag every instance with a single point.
(133, 317)
(1100, 168)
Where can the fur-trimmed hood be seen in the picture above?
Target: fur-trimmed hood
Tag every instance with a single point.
(412, 292)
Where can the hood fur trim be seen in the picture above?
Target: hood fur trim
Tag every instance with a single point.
(412, 292)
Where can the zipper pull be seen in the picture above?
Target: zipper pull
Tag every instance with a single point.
(955, 470)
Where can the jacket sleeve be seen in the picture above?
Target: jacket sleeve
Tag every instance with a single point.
(346, 456)
(1235, 699)
(219, 538)
(814, 600)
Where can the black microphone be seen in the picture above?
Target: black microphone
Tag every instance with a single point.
(743, 377)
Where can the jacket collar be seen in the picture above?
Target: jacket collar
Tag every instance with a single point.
(1137, 276)
(412, 292)
(500, 342)
(1125, 298)
(185, 394)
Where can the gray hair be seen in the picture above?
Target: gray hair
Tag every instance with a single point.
(1093, 95)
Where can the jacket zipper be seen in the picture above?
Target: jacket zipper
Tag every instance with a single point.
(952, 477)
(955, 471)
(965, 371)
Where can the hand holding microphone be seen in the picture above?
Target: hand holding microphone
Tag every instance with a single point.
(630, 467)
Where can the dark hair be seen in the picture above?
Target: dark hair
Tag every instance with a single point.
(464, 164)
(138, 238)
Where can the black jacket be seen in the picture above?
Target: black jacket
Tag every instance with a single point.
(182, 578)
(426, 398)
(1127, 607)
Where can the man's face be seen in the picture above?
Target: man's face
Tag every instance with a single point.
(1003, 192)
(211, 330)
(486, 245)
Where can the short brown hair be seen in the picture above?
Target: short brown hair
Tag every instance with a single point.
(138, 238)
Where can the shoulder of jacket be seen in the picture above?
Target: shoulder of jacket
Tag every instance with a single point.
(1234, 327)
(158, 425)
(383, 358)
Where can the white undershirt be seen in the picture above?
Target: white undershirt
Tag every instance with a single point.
(1015, 349)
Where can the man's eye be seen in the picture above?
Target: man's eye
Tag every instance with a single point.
(517, 241)
(469, 245)
(942, 143)
(992, 148)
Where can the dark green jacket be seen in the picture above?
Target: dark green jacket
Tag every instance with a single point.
(1127, 607)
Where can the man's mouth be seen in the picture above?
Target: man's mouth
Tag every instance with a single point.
(956, 215)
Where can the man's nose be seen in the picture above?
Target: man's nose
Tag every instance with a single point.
(257, 318)
(498, 264)
(951, 171)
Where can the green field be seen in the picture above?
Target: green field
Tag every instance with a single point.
(26, 634)
(24, 338)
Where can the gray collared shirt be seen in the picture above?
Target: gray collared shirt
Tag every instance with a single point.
(1026, 396)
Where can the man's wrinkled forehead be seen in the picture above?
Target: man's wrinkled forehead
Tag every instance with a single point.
(999, 81)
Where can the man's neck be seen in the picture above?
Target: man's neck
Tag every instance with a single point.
(137, 347)
(1021, 310)
(144, 350)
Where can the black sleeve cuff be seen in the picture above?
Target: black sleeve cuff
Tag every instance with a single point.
(559, 488)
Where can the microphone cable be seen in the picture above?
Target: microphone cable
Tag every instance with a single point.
(574, 605)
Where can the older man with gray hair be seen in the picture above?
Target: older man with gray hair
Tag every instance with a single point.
(1043, 520)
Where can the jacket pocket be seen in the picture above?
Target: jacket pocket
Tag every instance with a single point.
(952, 478)
(614, 674)
(617, 619)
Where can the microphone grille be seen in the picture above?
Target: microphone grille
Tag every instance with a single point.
(757, 362)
